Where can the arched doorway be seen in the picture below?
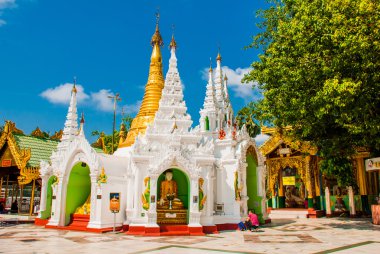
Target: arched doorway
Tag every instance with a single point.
(49, 195)
(252, 181)
(78, 189)
(177, 213)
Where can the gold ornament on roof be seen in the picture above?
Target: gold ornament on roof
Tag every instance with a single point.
(37, 133)
(153, 91)
(57, 135)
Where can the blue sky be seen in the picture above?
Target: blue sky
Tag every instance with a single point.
(106, 45)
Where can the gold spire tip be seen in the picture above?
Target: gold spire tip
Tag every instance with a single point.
(219, 57)
(74, 90)
(210, 69)
(82, 118)
(173, 43)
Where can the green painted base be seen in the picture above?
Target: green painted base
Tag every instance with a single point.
(365, 204)
(269, 202)
(318, 203)
(281, 202)
(274, 202)
(310, 203)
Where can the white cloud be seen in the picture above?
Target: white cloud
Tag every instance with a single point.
(248, 92)
(61, 94)
(261, 138)
(101, 100)
(6, 4)
(132, 108)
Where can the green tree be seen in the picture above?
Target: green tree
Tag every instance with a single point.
(319, 72)
(107, 138)
(249, 116)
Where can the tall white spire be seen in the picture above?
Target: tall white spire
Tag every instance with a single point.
(172, 113)
(210, 101)
(71, 123)
(219, 93)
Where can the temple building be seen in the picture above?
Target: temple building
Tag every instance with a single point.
(295, 181)
(20, 157)
(165, 175)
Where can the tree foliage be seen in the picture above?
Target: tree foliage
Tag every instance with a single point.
(319, 73)
(107, 138)
(249, 116)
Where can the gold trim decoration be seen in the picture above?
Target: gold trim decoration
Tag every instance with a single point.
(37, 133)
(27, 175)
(146, 195)
(21, 156)
(57, 135)
(278, 138)
(102, 178)
(202, 197)
(237, 187)
(275, 165)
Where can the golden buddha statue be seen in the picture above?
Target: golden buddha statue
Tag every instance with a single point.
(169, 191)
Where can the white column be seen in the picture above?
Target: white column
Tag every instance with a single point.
(137, 194)
(44, 187)
(261, 190)
(351, 199)
(210, 189)
(195, 215)
(94, 210)
(327, 198)
(57, 219)
(152, 212)
(130, 198)
(244, 195)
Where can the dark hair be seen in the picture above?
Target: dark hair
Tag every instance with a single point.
(168, 171)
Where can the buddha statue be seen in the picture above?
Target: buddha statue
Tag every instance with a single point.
(169, 189)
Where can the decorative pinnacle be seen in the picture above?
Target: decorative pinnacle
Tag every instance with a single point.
(82, 119)
(210, 70)
(74, 90)
(156, 38)
(173, 43)
(225, 77)
(219, 57)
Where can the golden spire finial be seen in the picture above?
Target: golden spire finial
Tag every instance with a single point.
(219, 57)
(156, 38)
(210, 69)
(82, 118)
(225, 77)
(153, 91)
(74, 90)
(173, 43)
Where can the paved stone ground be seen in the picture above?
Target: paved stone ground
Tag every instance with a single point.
(281, 236)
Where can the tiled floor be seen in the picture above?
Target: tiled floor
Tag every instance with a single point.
(281, 236)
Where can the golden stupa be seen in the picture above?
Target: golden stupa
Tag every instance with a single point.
(153, 90)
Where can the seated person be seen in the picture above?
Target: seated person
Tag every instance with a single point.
(254, 220)
(242, 226)
(248, 224)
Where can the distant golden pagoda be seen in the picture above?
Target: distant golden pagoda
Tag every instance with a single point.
(153, 90)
